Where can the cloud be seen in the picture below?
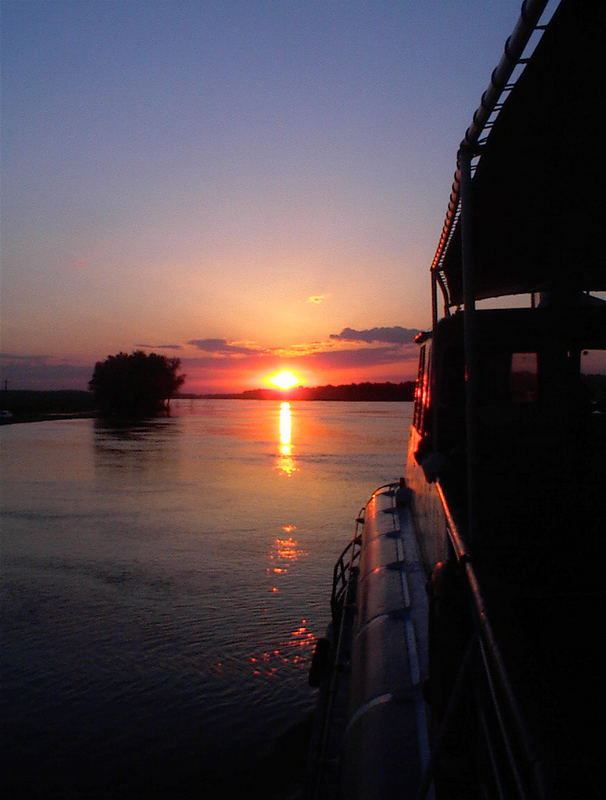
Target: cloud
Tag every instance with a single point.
(316, 299)
(392, 346)
(393, 335)
(11, 357)
(160, 346)
(360, 357)
(221, 347)
(43, 372)
(324, 358)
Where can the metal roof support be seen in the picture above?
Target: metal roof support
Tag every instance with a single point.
(434, 301)
(470, 345)
(514, 47)
(490, 104)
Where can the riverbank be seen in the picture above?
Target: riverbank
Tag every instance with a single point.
(23, 418)
(37, 406)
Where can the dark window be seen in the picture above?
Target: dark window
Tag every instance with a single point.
(593, 378)
(509, 378)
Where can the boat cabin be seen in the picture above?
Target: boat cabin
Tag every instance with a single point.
(507, 455)
(466, 656)
(539, 411)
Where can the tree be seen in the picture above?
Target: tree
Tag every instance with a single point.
(136, 385)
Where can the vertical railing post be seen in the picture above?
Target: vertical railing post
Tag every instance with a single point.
(434, 300)
(470, 343)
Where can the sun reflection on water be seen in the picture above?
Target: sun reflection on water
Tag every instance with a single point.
(285, 551)
(285, 423)
(297, 650)
(285, 461)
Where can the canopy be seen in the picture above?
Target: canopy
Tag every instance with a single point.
(539, 189)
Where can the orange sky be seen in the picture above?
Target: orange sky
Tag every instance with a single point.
(385, 354)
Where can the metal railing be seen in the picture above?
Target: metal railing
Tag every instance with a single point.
(342, 602)
(342, 571)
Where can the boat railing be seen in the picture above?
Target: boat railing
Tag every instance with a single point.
(342, 570)
(324, 772)
(514, 769)
(347, 562)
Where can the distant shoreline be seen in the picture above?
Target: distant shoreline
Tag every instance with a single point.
(39, 406)
(352, 392)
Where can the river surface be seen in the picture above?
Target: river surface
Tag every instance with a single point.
(163, 585)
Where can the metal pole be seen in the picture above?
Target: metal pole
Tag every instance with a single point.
(469, 336)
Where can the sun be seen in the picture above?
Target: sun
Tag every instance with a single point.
(285, 379)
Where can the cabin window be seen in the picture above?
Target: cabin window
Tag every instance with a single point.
(524, 378)
(593, 378)
(509, 378)
(494, 378)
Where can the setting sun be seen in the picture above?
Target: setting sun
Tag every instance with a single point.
(285, 379)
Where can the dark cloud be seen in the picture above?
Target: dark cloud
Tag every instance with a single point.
(398, 348)
(394, 335)
(322, 359)
(42, 372)
(10, 358)
(361, 357)
(160, 346)
(222, 347)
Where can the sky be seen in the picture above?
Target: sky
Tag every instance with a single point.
(246, 185)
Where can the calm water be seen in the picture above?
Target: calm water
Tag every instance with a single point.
(163, 585)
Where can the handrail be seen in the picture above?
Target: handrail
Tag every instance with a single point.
(340, 601)
(342, 568)
(341, 573)
(508, 720)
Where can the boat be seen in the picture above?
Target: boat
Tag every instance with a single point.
(464, 657)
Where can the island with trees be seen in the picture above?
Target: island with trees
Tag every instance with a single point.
(136, 385)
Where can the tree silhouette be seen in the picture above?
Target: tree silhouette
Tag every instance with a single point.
(136, 385)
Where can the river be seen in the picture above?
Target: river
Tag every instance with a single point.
(162, 588)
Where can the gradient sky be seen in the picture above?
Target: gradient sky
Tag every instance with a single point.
(247, 185)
